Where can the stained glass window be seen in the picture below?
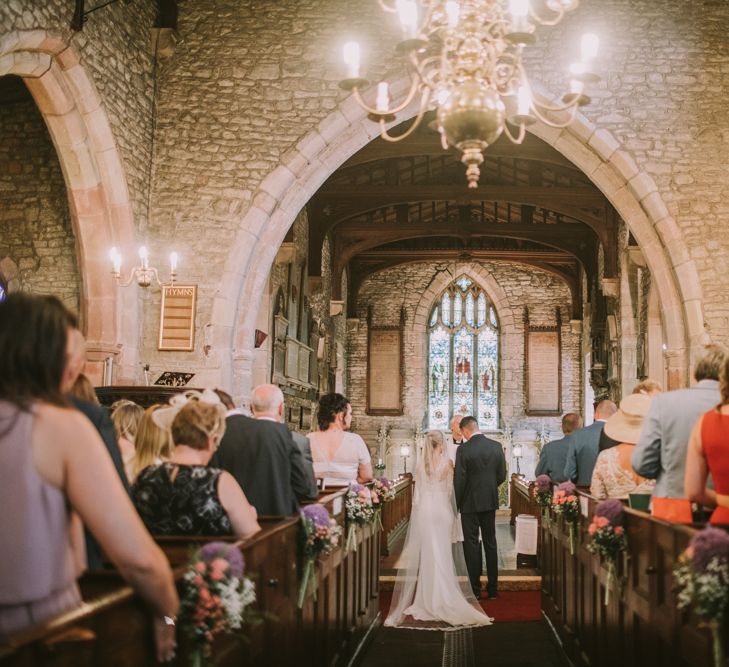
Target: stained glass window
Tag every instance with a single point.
(463, 357)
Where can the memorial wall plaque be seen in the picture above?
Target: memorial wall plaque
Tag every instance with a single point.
(177, 318)
(543, 371)
(543, 367)
(384, 369)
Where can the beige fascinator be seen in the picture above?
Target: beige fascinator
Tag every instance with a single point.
(165, 416)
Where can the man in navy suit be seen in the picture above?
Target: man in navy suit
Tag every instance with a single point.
(584, 446)
(480, 469)
(553, 458)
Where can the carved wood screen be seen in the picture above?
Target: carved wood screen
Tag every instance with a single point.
(543, 367)
(385, 367)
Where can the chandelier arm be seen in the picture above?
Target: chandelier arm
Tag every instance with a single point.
(389, 112)
(412, 128)
(420, 68)
(572, 109)
(128, 281)
(546, 21)
(387, 7)
(519, 138)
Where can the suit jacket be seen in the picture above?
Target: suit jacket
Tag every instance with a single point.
(661, 450)
(553, 459)
(264, 459)
(582, 453)
(99, 417)
(480, 469)
(302, 442)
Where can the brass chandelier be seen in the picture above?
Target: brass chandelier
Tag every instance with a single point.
(466, 61)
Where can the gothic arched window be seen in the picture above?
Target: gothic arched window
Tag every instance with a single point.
(463, 357)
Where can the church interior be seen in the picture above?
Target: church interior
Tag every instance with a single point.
(226, 197)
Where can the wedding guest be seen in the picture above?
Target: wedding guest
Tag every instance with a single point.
(553, 457)
(707, 453)
(184, 496)
(126, 415)
(99, 416)
(340, 457)
(53, 469)
(585, 445)
(613, 475)
(260, 453)
(456, 437)
(661, 451)
(83, 389)
(153, 445)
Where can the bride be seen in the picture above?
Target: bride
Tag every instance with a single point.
(432, 590)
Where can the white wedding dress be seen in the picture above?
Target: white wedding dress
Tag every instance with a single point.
(432, 590)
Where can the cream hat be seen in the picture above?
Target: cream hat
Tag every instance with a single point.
(165, 416)
(626, 424)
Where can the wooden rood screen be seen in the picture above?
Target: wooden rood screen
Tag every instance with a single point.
(640, 628)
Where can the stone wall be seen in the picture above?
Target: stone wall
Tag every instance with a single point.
(510, 287)
(37, 245)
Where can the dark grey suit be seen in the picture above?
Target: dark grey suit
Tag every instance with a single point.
(553, 460)
(582, 453)
(480, 469)
(661, 451)
(266, 462)
(99, 417)
(302, 442)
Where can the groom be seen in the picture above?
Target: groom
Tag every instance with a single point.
(480, 469)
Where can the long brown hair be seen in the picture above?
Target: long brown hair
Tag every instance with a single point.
(33, 335)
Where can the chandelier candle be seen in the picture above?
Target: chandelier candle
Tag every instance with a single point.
(466, 64)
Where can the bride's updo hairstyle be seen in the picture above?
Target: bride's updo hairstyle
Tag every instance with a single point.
(434, 440)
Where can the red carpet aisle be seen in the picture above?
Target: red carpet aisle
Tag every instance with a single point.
(509, 607)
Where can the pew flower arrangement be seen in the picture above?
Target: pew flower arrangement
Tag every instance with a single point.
(216, 597)
(359, 511)
(607, 539)
(382, 491)
(566, 504)
(542, 492)
(702, 582)
(321, 536)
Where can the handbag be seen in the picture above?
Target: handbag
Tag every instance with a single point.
(675, 510)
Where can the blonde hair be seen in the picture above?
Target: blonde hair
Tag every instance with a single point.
(433, 440)
(126, 415)
(84, 390)
(151, 443)
(196, 422)
(647, 386)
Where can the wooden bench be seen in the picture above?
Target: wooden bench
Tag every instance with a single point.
(644, 627)
(115, 628)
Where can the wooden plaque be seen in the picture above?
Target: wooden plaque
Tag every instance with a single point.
(384, 369)
(543, 368)
(177, 317)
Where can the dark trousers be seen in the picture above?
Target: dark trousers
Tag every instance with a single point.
(486, 521)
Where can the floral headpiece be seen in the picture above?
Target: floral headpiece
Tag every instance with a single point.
(165, 416)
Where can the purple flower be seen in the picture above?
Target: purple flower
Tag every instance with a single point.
(612, 510)
(385, 482)
(708, 544)
(568, 487)
(356, 488)
(213, 550)
(316, 513)
(543, 484)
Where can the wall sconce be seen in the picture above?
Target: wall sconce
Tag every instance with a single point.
(405, 452)
(143, 273)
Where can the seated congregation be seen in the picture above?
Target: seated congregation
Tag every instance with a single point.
(103, 510)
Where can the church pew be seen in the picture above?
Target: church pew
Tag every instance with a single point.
(644, 627)
(396, 514)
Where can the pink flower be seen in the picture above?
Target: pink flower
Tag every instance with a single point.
(592, 529)
(601, 521)
(200, 566)
(618, 530)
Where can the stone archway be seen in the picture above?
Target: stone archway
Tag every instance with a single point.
(596, 152)
(101, 214)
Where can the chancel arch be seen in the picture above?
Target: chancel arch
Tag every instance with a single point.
(596, 152)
